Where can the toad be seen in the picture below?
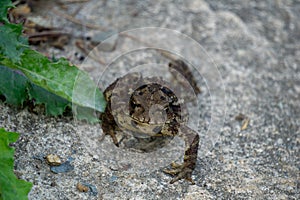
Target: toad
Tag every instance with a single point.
(146, 106)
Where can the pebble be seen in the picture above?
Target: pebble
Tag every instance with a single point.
(93, 190)
(63, 168)
(53, 160)
(82, 187)
(86, 187)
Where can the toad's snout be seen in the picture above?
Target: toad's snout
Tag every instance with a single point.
(157, 114)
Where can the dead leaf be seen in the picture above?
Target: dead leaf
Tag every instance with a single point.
(245, 124)
(21, 10)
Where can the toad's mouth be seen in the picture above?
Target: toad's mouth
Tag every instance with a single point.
(143, 129)
(150, 129)
(155, 115)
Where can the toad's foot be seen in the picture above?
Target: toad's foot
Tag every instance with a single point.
(180, 171)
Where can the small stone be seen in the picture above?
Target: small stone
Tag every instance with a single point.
(279, 141)
(38, 166)
(53, 160)
(63, 168)
(53, 184)
(86, 187)
(95, 157)
(113, 179)
(82, 188)
(93, 190)
(240, 117)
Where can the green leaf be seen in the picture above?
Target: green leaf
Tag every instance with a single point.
(61, 79)
(12, 43)
(16, 87)
(10, 187)
(55, 105)
(13, 86)
(4, 6)
(66, 82)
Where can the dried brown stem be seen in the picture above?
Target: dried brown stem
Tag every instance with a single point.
(48, 34)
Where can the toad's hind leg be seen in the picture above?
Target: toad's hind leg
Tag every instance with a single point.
(181, 67)
(184, 170)
(110, 130)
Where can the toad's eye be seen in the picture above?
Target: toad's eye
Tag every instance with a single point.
(167, 91)
(136, 109)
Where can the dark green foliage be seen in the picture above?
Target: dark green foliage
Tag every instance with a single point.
(11, 188)
(13, 86)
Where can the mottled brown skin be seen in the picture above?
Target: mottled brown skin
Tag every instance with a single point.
(150, 109)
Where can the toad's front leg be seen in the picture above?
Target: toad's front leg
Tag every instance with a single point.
(184, 171)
